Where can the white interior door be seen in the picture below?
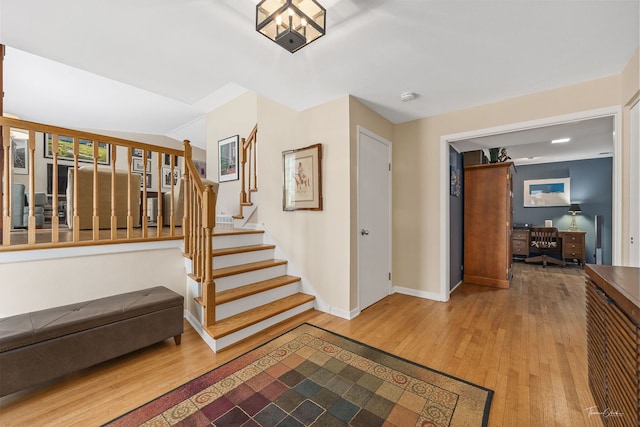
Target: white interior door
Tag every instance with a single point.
(634, 190)
(374, 218)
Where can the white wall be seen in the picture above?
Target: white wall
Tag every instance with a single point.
(38, 284)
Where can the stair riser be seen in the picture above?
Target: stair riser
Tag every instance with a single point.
(238, 306)
(233, 338)
(231, 282)
(231, 260)
(233, 241)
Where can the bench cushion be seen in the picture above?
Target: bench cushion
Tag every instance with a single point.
(30, 328)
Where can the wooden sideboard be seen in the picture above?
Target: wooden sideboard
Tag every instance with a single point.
(613, 343)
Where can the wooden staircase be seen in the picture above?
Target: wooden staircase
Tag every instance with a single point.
(253, 290)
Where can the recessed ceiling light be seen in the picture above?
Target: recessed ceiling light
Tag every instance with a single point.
(560, 141)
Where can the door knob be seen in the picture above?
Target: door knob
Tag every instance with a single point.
(364, 232)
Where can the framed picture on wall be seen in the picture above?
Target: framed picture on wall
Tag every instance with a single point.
(20, 156)
(167, 160)
(85, 149)
(302, 189)
(228, 159)
(166, 177)
(540, 193)
(137, 165)
(201, 166)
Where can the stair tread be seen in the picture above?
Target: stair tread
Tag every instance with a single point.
(242, 320)
(244, 268)
(254, 288)
(241, 249)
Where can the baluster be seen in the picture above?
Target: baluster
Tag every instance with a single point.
(76, 216)
(31, 230)
(145, 222)
(158, 218)
(209, 222)
(129, 207)
(254, 141)
(6, 188)
(55, 215)
(114, 218)
(186, 211)
(96, 200)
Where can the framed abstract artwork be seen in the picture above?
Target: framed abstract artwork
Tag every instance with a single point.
(540, 193)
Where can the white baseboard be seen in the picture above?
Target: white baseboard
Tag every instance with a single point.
(417, 293)
(456, 286)
(198, 328)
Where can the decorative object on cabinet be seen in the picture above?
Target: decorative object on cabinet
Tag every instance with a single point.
(547, 242)
(503, 157)
(228, 159)
(302, 170)
(493, 154)
(487, 224)
(573, 210)
(542, 193)
(476, 157)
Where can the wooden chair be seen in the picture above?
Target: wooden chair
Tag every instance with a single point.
(546, 241)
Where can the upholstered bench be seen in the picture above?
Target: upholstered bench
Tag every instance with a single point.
(43, 345)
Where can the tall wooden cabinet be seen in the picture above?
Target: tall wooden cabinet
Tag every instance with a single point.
(488, 211)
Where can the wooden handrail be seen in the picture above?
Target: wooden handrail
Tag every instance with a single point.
(249, 180)
(87, 147)
(200, 220)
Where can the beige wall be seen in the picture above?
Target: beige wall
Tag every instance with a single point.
(234, 118)
(35, 285)
(416, 169)
(312, 240)
(317, 242)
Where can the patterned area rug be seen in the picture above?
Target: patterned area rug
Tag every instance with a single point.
(310, 376)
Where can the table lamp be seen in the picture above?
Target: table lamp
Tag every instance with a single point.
(574, 209)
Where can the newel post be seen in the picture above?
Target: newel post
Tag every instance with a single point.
(186, 211)
(208, 223)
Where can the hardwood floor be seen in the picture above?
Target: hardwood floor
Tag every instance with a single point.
(526, 343)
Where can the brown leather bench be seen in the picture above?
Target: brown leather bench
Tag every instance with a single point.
(43, 345)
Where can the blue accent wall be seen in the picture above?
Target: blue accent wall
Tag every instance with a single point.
(456, 225)
(591, 187)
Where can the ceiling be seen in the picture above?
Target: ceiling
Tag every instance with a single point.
(158, 66)
(588, 139)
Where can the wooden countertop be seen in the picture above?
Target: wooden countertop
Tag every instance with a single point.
(621, 284)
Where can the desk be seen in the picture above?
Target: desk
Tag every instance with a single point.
(573, 245)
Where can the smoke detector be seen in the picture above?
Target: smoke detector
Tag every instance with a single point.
(408, 96)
